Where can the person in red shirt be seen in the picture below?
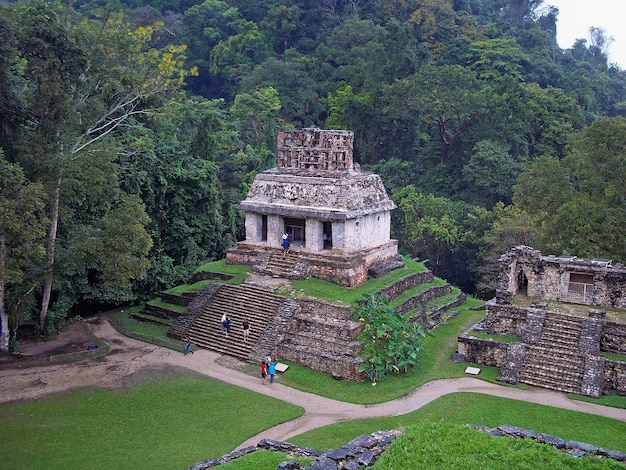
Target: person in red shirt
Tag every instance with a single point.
(263, 373)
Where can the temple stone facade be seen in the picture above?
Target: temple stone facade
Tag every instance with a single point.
(338, 216)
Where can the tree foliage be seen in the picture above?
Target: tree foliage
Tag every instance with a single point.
(163, 113)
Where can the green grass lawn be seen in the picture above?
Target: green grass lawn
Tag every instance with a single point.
(465, 408)
(170, 421)
(459, 447)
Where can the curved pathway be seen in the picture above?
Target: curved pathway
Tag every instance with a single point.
(128, 355)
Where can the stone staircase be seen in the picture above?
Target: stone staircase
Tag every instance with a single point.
(556, 362)
(241, 302)
(280, 265)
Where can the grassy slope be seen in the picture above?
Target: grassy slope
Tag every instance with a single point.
(459, 447)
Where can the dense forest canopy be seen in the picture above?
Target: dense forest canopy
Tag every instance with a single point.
(130, 130)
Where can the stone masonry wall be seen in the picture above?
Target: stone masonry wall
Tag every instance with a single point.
(320, 336)
(406, 283)
(613, 338)
(480, 351)
(504, 320)
(614, 376)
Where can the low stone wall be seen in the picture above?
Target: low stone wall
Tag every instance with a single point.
(614, 376)
(206, 275)
(430, 294)
(613, 338)
(482, 351)
(361, 452)
(573, 448)
(404, 284)
(175, 299)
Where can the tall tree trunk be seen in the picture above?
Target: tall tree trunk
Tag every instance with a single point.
(4, 318)
(52, 238)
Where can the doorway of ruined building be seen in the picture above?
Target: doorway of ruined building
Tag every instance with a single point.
(522, 283)
(295, 229)
(264, 228)
(327, 235)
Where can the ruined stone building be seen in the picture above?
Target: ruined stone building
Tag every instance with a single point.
(562, 278)
(554, 308)
(338, 217)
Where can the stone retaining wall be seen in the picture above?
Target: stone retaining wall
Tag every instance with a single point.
(505, 320)
(613, 338)
(404, 284)
(340, 367)
(482, 351)
(178, 299)
(614, 377)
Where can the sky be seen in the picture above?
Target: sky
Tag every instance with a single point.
(577, 16)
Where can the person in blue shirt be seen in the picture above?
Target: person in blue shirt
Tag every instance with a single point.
(272, 371)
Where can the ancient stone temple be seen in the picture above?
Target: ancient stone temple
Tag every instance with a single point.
(338, 217)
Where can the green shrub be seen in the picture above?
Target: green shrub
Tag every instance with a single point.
(392, 343)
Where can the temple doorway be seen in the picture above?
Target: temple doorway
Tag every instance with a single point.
(522, 283)
(327, 235)
(295, 229)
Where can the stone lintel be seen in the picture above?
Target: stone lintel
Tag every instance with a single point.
(321, 213)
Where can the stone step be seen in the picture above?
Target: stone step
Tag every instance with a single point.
(564, 362)
(569, 370)
(548, 350)
(560, 387)
(558, 342)
(561, 322)
(553, 370)
(281, 264)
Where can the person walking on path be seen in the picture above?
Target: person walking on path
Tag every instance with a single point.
(223, 321)
(246, 330)
(263, 373)
(188, 348)
(272, 371)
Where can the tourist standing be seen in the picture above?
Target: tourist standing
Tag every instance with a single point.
(246, 330)
(272, 371)
(286, 242)
(263, 372)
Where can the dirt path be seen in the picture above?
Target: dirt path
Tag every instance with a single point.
(128, 357)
